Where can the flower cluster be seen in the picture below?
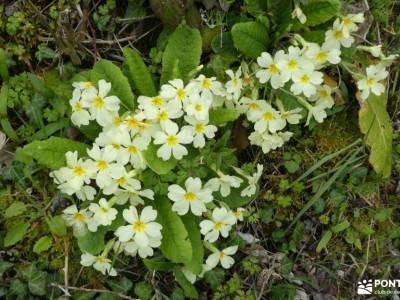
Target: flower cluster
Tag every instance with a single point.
(177, 121)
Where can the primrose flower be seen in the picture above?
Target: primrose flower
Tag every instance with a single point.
(151, 105)
(107, 169)
(166, 114)
(317, 111)
(267, 118)
(253, 180)
(132, 151)
(251, 107)
(234, 85)
(103, 213)
(223, 257)
(207, 86)
(133, 248)
(305, 82)
(200, 130)
(298, 13)
(372, 82)
(113, 138)
(85, 87)
(131, 191)
(223, 183)
(238, 213)
(86, 192)
(77, 172)
(80, 116)
(292, 62)
(268, 141)
(322, 54)
(270, 70)
(77, 219)
(349, 23)
(192, 198)
(221, 223)
(337, 36)
(198, 107)
(99, 263)
(101, 106)
(292, 116)
(175, 91)
(171, 141)
(141, 227)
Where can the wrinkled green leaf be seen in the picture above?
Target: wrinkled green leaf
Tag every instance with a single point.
(15, 233)
(251, 38)
(43, 244)
(51, 152)
(15, 209)
(157, 164)
(320, 11)
(195, 265)
(375, 123)
(175, 243)
(57, 226)
(324, 240)
(221, 116)
(120, 87)
(184, 44)
(138, 74)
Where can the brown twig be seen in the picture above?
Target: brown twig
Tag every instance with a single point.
(75, 288)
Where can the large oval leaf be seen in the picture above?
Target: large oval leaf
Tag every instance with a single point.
(195, 265)
(251, 38)
(175, 243)
(184, 46)
(105, 69)
(157, 164)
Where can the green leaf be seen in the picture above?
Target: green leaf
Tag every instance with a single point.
(144, 290)
(51, 152)
(341, 226)
(221, 116)
(3, 65)
(188, 288)
(223, 44)
(105, 69)
(282, 17)
(37, 283)
(286, 266)
(324, 240)
(4, 120)
(154, 264)
(175, 243)
(138, 74)
(375, 123)
(195, 265)
(157, 164)
(43, 244)
(234, 199)
(318, 12)
(170, 12)
(183, 44)
(123, 285)
(15, 234)
(15, 209)
(57, 226)
(251, 38)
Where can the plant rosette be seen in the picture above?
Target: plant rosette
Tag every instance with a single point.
(156, 177)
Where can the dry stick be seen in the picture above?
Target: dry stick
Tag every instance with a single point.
(75, 288)
(66, 268)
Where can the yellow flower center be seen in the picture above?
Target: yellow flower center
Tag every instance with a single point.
(157, 101)
(163, 116)
(237, 214)
(139, 226)
(100, 260)
(198, 107)
(104, 210)
(121, 180)
(273, 69)
(253, 106)
(206, 83)
(87, 85)
(117, 121)
(268, 116)
(189, 196)
(323, 93)
(172, 140)
(181, 94)
(218, 225)
(199, 128)
(116, 146)
(370, 82)
(321, 56)
(292, 64)
(285, 115)
(77, 106)
(247, 80)
(132, 149)
(347, 21)
(79, 217)
(305, 79)
(98, 102)
(221, 255)
(338, 35)
(102, 165)
(132, 122)
(235, 82)
(79, 171)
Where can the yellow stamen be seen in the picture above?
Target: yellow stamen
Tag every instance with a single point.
(305, 79)
(198, 107)
(163, 116)
(132, 149)
(77, 106)
(79, 217)
(268, 116)
(139, 226)
(199, 128)
(273, 69)
(102, 165)
(206, 83)
(172, 140)
(98, 102)
(181, 94)
(292, 64)
(157, 101)
(121, 180)
(218, 225)
(189, 196)
(338, 35)
(79, 171)
(321, 56)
